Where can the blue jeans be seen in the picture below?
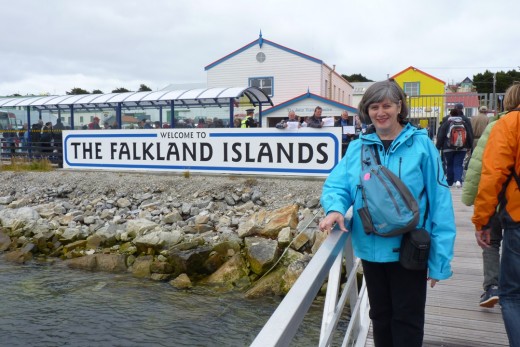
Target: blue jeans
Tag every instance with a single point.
(510, 280)
(454, 162)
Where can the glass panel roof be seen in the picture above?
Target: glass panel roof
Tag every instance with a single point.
(191, 98)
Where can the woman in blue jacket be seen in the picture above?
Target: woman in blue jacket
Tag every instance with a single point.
(397, 296)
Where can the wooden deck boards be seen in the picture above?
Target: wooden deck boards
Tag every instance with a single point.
(453, 316)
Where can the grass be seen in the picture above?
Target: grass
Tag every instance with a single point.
(23, 164)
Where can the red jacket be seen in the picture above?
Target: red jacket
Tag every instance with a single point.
(501, 156)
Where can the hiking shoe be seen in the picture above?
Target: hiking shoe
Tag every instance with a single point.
(458, 184)
(489, 298)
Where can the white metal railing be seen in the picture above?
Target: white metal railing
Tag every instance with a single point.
(283, 324)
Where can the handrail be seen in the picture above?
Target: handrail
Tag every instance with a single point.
(284, 322)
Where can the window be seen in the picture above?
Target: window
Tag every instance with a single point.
(411, 88)
(266, 84)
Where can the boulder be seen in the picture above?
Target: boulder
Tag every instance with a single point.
(229, 273)
(181, 282)
(138, 227)
(261, 253)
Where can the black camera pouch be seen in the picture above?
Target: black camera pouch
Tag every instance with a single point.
(415, 249)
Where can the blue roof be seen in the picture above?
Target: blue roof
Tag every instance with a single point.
(309, 95)
(261, 41)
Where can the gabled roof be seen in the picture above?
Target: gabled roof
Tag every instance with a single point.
(261, 41)
(467, 80)
(420, 71)
(309, 95)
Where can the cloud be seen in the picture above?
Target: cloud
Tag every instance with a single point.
(57, 45)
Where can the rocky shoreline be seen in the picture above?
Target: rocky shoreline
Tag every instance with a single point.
(241, 233)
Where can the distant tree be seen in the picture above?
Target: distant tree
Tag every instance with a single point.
(77, 91)
(144, 88)
(14, 95)
(484, 81)
(357, 77)
(97, 91)
(120, 90)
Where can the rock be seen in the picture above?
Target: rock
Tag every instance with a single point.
(267, 286)
(70, 235)
(138, 227)
(5, 241)
(161, 267)
(261, 253)
(6, 200)
(181, 282)
(284, 237)
(172, 217)
(229, 273)
(160, 277)
(293, 271)
(229, 200)
(123, 202)
(111, 262)
(157, 240)
(18, 218)
(87, 262)
(74, 245)
(279, 219)
(299, 241)
(18, 256)
(141, 266)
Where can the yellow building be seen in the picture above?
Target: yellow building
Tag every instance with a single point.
(425, 96)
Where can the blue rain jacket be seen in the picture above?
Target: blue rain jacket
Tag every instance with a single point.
(414, 158)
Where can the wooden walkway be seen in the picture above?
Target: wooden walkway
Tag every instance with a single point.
(453, 316)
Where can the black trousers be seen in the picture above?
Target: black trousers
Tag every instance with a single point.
(397, 303)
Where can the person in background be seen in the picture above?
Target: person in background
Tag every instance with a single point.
(479, 123)
(397, 295)
(345, 138)
(35, 136)
(11, 138)
(147, 124)
(454, 157)
(491, 254)
(94, 125)
(46, 138)
(315, 120)
(23, 134)
(249, 121)
(291, 118)
(498, 196)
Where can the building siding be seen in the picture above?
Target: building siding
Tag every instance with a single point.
(339, 90)
(293, 75)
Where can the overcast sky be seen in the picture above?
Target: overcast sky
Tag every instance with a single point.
(52, 46)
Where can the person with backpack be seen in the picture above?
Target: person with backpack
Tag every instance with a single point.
(455, 138)
(498, 196)
(396, 293)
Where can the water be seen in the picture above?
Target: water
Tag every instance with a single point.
(50, 305)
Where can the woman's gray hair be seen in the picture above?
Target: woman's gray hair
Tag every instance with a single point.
(380, 91)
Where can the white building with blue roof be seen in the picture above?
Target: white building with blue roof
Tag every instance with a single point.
(294, 80)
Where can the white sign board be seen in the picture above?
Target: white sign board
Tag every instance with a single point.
(305, 151)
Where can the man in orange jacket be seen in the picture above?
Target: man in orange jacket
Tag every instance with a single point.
(499, 187)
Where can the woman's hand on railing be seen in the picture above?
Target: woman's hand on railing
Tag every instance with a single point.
(330, 220)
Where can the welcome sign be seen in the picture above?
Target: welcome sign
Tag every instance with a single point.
(304, 151)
